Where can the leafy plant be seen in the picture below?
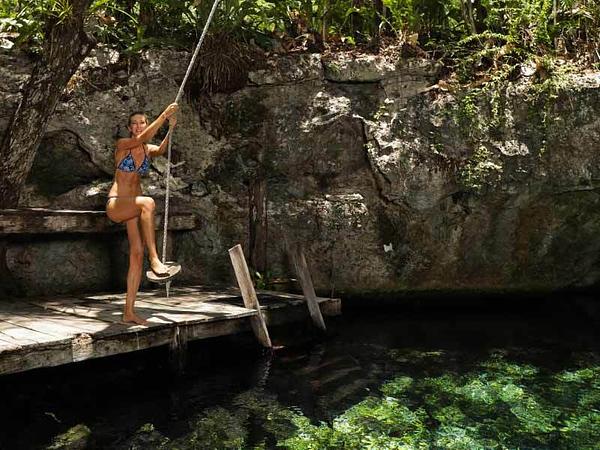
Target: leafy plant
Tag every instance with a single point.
(471, 37)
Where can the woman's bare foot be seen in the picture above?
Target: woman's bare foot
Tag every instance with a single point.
(158, 267)
(133, 318)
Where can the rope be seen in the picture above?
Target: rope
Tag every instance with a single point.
(177, 99)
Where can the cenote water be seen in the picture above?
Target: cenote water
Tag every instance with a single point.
(437, 374)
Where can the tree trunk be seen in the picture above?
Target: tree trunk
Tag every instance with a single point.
(379, 8)
(147, 20)
(467, 12)
(65, 46)
(379, 15)
(258, 225)
(325, 20)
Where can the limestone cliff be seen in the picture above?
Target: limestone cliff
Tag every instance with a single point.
(391, 181)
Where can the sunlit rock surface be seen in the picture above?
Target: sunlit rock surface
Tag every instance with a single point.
(390, 181)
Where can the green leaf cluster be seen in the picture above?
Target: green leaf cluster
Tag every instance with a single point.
(470, 34)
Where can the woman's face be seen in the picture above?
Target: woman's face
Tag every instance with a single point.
(137, 124)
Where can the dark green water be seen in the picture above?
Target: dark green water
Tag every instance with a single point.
(501, 374)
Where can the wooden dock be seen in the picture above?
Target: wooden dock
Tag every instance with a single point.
(49, 332)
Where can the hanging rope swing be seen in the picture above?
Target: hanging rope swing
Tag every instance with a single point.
(168, 169)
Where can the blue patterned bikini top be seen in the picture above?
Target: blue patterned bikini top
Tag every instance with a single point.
(127, 164)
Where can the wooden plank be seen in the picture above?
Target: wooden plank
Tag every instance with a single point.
(184, 304)
(191, 297)
(79, 332)
(192, 302)
(23, 335)
(7, 307)
(284, 295)
(58, 353)
(210, 309)
(106, 312)
(7, 347)
(331, 306)
(177, 294)
(308, 289)
(34, 356)
(117, 338)
(91, 317)
(73, 313)
(175, 299)
(112, 311)
(249, 295)
(287, 295)
(63, 325)
(41, 220)
(205, 312)
(9, 342)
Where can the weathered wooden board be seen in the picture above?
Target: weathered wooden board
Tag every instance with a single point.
(61, 352)
(155, 313)
(65, 326)
(9, 341)
(41, 220)
(303, 273)
(23, 334)
(106, 312)
(28, 357)
(49, 332)
(174, 314)
(177, 294)
(242, 275)
(197, 301)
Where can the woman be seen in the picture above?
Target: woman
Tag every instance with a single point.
(126, 203)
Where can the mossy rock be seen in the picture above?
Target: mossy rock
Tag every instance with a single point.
(75, 438)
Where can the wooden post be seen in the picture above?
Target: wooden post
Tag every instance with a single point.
(308, 289)
(249, 295)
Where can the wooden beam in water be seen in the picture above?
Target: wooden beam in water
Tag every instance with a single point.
(249, 295)
(308, 289)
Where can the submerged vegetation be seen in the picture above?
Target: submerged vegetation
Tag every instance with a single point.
(501, 402)
(501, 405)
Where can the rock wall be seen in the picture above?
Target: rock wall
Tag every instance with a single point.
(392, 182)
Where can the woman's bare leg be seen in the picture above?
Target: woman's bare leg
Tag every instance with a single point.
(134, 275)
(125, 208)
(148, 206)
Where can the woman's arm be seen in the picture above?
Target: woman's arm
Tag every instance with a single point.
(154, 150)
(149, 132)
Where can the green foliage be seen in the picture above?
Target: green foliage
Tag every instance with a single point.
(262, 280)
(485, 116)
(27, 18)
(504, 30)
(482, 168)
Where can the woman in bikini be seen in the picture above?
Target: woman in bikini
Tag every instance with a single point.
(126, 203)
